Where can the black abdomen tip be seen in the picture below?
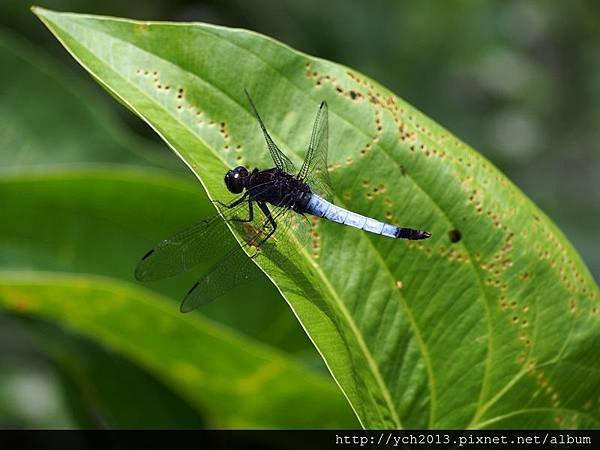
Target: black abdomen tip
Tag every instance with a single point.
(413, 235)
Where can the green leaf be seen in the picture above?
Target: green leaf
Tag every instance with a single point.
(234, 382)
(493, 322)
(47, 118)
(97, 401)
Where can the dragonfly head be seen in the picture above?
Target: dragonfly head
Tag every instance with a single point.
(236, 179)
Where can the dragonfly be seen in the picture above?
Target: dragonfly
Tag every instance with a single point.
(283, 195)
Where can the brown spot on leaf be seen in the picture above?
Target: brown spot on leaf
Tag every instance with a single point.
(454, 235)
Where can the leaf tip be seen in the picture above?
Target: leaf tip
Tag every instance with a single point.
(37, 10)
(40, 12)
(43, 13)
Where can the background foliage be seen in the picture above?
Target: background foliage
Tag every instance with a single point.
(528, 75)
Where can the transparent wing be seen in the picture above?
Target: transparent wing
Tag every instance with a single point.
(281, 161)
(314, 168)
(278, 253)
(234, 268)
(200, 242)
(284, 254)
(190, 246)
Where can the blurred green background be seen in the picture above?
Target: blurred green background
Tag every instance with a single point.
(517, 80)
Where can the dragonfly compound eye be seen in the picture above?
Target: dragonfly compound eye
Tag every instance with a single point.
(236, 179)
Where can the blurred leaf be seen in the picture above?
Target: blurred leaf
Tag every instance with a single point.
(100, 221)
(48, 117)
(490, 323)
(96, 380)
(30, 390)
(232, 381)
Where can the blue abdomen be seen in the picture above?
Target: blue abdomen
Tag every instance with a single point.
(320, 207)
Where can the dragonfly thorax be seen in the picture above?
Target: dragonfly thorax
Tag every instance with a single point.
(277, 187)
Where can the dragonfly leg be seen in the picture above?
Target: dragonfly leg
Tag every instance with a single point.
(250, 214)
(265, 209)
(305, 217)
(233, 203)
